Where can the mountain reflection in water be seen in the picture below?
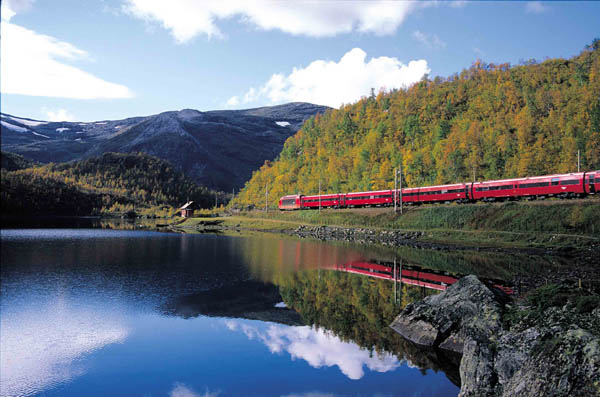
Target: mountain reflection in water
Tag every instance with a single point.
(105, 312)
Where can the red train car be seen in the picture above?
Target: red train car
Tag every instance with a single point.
(410, 195)
(292, 202)
(325, 201)
(375, 198)
(559, 185)
(442, 193)
(592, 182)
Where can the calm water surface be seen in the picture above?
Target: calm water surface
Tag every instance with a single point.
(125, 313)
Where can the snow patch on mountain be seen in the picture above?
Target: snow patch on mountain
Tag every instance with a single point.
(42, 135)
(282, 123)
(62, 129)
(13, 127)
(29, 123)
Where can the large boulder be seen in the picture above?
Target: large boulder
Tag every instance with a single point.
(552, 356)
(467, 308)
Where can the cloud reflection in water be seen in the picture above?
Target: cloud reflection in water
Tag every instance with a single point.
(42, 343)
(319, 348)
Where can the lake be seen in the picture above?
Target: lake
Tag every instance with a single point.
(100, 312)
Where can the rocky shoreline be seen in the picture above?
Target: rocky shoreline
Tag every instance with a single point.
(549, 346)
(414, 239)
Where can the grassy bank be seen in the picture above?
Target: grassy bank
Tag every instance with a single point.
(550, 223)
(565, 217)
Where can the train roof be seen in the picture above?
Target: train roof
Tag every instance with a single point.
(323, 195)
(439, 186)
(373, 191)
(573, 174)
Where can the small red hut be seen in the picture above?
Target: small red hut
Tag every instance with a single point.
(187, 210)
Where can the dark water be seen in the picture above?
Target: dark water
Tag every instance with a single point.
(125, 313)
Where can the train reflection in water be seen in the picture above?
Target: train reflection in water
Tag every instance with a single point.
(411, 275)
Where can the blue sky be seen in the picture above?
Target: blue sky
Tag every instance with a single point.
(96, 60)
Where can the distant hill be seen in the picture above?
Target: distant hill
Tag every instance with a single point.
(13, 162)
(487, 122)
(111, 183)
(217, 149)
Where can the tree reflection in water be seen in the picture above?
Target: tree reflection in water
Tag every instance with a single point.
(359, 309)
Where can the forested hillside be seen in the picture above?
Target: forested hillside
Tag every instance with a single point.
(13, 161)
(111, 183)
(489, 121)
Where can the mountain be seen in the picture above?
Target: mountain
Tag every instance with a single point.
(217, 149)
(486, 122)
(111, 183)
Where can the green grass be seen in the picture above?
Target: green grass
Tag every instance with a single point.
(564, 217)
(552, 223)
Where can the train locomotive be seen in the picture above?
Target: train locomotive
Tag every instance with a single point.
(573, 185)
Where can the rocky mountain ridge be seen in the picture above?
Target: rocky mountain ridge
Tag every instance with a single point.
(217, 149)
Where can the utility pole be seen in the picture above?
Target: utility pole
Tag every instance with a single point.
(578, 161)
(395, 282)
(319, 194)
(266, 198)
(395, 188)
(216, 200)
(400, 188)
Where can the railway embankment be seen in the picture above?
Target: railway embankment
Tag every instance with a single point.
(546, 343)
(570, 228)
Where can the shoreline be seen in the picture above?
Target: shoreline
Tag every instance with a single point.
(579, 247)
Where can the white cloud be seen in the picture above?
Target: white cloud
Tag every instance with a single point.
(181, 390)
(333, 83)
(186, 19)
(233, 101)
(430, 40)
(319, 348)
(58, 115)
(458, 4)
(478, 51)
(10, 8)
(536, 7)
(31, 66)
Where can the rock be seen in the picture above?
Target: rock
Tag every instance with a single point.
(552, 357)
(467, 307)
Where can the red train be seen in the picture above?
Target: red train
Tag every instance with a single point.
(411, 275)
(571, 185)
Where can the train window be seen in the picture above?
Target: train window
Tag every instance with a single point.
(554, 181)
(538, 184)
(570, 182)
